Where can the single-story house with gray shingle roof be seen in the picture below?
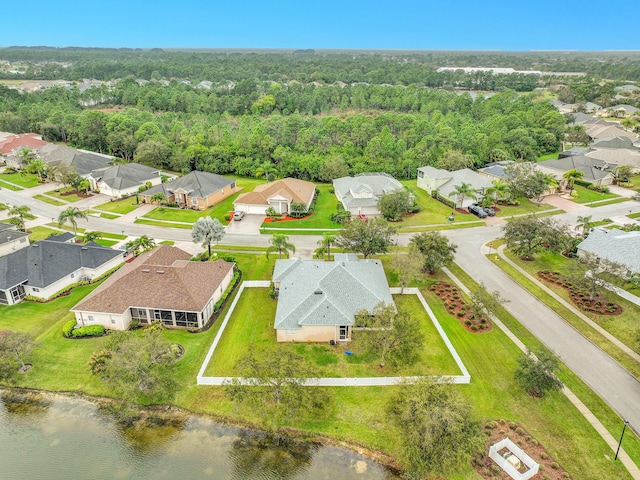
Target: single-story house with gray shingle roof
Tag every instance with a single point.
(81, 161)
(614, 245)
(160, 285)
(617, 156)
(595, 171)
(496, 170)
(613, 142)
(623, 109)
(572, 152)
(48, 266)
(318, 300)
(12, 239)
(445, 182)
(196, 190)
(360, 194)
(123, 180)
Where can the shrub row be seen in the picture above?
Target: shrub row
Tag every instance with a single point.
(88, 331)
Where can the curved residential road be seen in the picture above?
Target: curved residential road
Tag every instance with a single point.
(603, 374)
(617, 387)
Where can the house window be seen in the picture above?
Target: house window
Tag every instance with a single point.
(292, 331)
(35, 289)
(194, 201)
(3, 297)
(91, 318)
(73, 275)
(343, 332)
(420, 174)
(113, 320)
(17, 293)
(192, 319)
(181, 319)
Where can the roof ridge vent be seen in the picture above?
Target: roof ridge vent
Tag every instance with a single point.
(145, 270)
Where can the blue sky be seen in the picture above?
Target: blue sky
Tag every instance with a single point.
(373, 24)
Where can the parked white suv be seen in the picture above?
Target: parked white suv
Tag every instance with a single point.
(238, 215)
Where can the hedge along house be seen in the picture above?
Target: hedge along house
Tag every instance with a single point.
(196, 190)
(160, 285)
(318, 300)
(279, 195)
(49, 266)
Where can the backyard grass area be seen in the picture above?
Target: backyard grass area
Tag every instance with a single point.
(122, 206)
(26, 180)
(624, 326)
(65, 194)
(8, 186)
(51, 201)
(586, 196)
(41, 233)
(251, 328)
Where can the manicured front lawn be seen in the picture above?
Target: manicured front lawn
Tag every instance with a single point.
(26, 180)
(251, 327)
(153, 223)
(41, 233)
(65, 194)
(526, 206)
(9, 186)
(586, 196)
(51, 201)
(431, 211)
(122, 206)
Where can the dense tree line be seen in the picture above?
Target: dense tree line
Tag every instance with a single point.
(307, 131)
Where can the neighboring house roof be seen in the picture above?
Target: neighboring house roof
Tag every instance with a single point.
(613, 142)
(626, 88)
(602, 131)
(574, 151)
(9, 233)
(614, 245)
(617, 156)
(593, 169)
(625, 108)
(590, 106)
(127, 175)
(196, 184)
(46, 262)
(63, 237)
(162, 278)
(314, 292)
(364, 189)
(292, 189)
(580, 118)
(455, 178)
(24, 140)
(83, 162)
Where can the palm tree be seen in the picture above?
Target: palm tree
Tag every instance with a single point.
(157, 198)
(584, 224)
(37, 166)
(71, 215)
(328, 239)
(462, 190)
(142, 243)
(18, 215)
(27, 155)
(499, 189)
(280, 243)
(91, 237)
(571, 176)
(266, 169)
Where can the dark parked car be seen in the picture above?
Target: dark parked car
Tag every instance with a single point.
(490, 211)
(477, 210)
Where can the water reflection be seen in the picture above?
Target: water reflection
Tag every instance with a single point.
(59, 438)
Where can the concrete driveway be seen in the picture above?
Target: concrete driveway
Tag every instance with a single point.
(249, 225)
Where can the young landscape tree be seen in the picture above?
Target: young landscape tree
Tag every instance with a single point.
(18, 214)
(435, 428)
(590, 273)
(207, 230)
(280, 243)
(141, 244)
(583, 225)
(157, 198)
(571, 176)
(15, 352)
(366, 237)
(389, 334)
(266, 169)
(91, 237)
(484, 302)
(464, 190)
(324, 245)
(436, 251)
(407, 265)
(272, 384)
(536, 374)
(71, 215)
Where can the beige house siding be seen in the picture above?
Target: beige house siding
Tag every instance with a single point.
(13, 245)
(311, 333)
(112, 321)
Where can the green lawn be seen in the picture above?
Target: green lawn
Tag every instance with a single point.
(41, 233)
(122, 206)
(586, 196)
(251, 327)
(9, 186)
(26, 180)
(51, 201)
(548, 156)
(431, 211)
(65, 194)
(153, 223)
(326, 205)
(526, 206)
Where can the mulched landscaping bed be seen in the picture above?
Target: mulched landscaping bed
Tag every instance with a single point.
(498, 430)
(579, 297)
(456, 305)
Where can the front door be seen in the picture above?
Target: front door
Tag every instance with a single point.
(343, 333)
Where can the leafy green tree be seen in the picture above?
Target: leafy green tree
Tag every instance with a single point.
(207, 230)
(525, 181)
(18, 214)
(407, 266)
(526, 236)
(265, 170)
(436, 429)
(536, 374)
(157, 198)
(139, 368)
(394, 205)
(571, 176)
(623, 173)
(591, 272)
(71, 215)
(389, 334)
(454, 160)
(280, 243)
(366, 237)
(484, 302)
(464, 190)
(298, 210)
(271, 213)
(435, 250)
(15, 351)
(272, 384)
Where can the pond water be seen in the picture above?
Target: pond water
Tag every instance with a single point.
(57, 437)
